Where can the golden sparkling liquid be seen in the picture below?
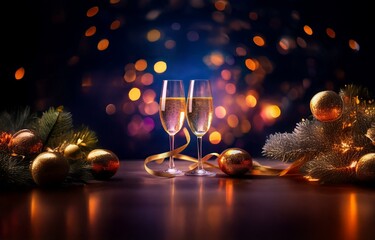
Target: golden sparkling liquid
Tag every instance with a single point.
(199, 114)
(172, 114)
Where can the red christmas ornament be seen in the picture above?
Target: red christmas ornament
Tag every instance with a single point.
(104, 163)
(25, 142)
(235, 161)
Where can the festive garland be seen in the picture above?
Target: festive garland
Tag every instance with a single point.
(48, 151)
(336, 145)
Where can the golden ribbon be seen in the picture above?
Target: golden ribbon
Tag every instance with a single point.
(258, 169)
(159, 158)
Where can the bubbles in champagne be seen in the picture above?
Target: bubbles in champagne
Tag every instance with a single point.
(172, 114)
(199, 114)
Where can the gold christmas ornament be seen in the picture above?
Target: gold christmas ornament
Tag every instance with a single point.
(326, 106)
(104, 163)
(25, 142)
(235, 161)
(49, 168)
(73, 152)
(365, 168)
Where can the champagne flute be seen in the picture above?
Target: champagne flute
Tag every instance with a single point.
(199, 110)
(172, 107)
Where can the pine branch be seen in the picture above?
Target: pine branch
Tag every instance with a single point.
(14, 172)
(19, 119)
(54, 125)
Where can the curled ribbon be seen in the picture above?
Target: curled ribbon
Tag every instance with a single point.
(258, 169)
(159, 158)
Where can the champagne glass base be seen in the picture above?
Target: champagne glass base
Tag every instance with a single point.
(200, 172)
(174, 171)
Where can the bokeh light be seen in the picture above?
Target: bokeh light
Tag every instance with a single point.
(105, 63)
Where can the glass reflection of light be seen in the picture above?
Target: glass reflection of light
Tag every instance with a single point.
(350, 217)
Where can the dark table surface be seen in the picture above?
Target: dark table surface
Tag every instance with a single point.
(136, 205)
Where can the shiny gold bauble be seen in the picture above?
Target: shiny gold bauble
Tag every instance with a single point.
(73, 152)
(49, 168)
(25, 142)
(326, 106)
(104, 163)
(235, 161)
(365, 168)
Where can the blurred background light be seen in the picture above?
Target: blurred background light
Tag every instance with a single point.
(104, 61)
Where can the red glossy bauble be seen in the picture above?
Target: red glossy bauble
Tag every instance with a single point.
(104, 163)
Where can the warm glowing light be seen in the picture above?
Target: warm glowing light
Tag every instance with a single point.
(232, 121)
(351, 217)
(130, 76)
(148, 96)
(19, 74)
(251, 64)
(308, 30)
(151, 108)
(215, 137)
(140, 65)
(103, 44)
(353, 45)
(147, 79)
(251, 101)
(134, 94)
(110, 109)
(217, 59)
(226, 74)
(259, 41)
(274, 111)
(230, 88)
(90, 31)
(153, 35)
(115, 25)
(220, 112)
(92, 11)
(160, 67)
(245, 126)
(114, 1)
(330, 33)
(270, 112)
(220, 5)
(286, 44)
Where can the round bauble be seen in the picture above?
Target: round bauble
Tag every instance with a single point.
(73, 152)
(104, 163)
(365, 168)
(49, 169)
(235, 161)
(326, 106)
(25, 142)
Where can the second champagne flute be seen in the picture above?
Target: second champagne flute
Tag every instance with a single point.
(199, 110)
(172, 115)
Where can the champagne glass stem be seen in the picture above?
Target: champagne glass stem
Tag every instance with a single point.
(171, 147)
(200, 163)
